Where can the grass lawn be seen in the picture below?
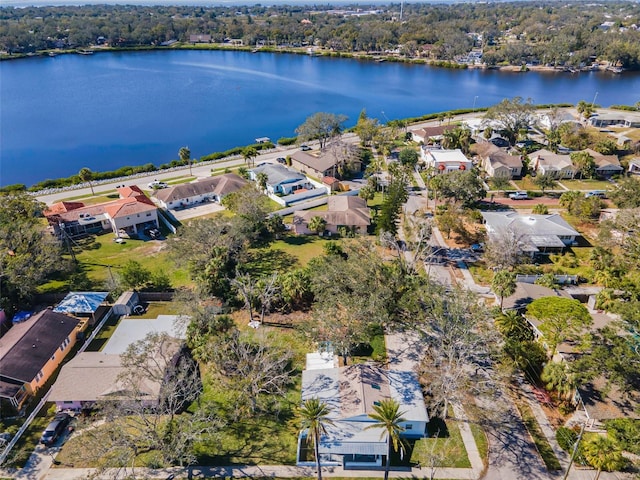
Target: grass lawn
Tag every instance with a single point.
(480, 273)
(542, 445)
(104, 335)
(300, 247)
(447, 445)
(587, 184)
(526, 183)
(99, 257)
(29, 439)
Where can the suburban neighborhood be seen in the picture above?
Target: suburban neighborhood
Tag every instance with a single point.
(454, 298)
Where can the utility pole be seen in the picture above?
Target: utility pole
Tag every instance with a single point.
(574, 452)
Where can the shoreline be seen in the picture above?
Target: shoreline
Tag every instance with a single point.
(363, 56)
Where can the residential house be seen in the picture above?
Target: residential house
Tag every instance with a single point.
(92, 377)
(606, 165)
(622, 119)
(89, 305)
(332, 183)
(601, 402)
(634, 166)
(547, 120)
(280, 179)
(343, 211)
(497, 162)
(445, 161)
(537, 234)
(211, 189)
(199, 38)
(430, 135)
(132, 212)
(351, 393)
(31, 351)
(331, 162)
(545, 162)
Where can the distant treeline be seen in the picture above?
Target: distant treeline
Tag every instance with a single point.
(572, 34)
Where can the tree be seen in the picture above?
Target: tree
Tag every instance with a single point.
(254, 369)
(458, 137)
(164, 434)
(314, 414)
(367, 193)
(262, 179)
(513, 326)
(28, 254)
(503, 284)
(584, 163)
(585, 109)
(500, 183)
(511, 116)
(556, 376)
(86, 175)
(560, 318)
(388, 417)
(317, 224)
(408, 157)
(133, 275)
(366, 128)
(321, 126)
(185, 157)
(540, 209)
(505, 248)
(544, 181)
(456, 335)
(603, 453)
(249, 154)
(395, 197)
(461, 186)
(626, 194)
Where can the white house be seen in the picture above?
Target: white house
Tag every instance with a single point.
(351, 393)
(444, 161)
(280, 179)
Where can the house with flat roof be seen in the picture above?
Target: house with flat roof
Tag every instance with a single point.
(545, 162)
(350, 212)
(445, 161)
(31, 351)
(539, 234)
(351, 393)
(621, 118)
(497, 162)
(280, 179)
(211, 189)
(131, 213)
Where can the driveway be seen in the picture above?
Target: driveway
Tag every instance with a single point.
(197, 211)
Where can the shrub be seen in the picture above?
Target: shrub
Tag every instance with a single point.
(286, 141)
(566, 438)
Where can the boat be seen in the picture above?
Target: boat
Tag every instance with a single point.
(85, 52)
(53, 54)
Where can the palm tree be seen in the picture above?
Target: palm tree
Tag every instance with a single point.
(86, 175)
(261, 180)
(513, 326)
(386, 415)
(249, 153)
(317, 224)
(503, 284)
(185, 156)
(556, 377)
(603, 454)
(315, 419)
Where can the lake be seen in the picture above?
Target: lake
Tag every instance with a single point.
(108, 110)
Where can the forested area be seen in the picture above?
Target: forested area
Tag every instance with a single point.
(571, 34)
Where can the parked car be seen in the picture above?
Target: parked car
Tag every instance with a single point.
(55, 429)
(305, 148)
(519, 196)
(153, 233)
(155, 185)
(499, 142)
(281, 160)
(596, 193)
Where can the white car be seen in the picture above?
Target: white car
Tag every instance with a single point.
(519, 196)
(155, 185)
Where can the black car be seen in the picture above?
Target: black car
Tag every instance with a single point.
(281, 160)
(55, 429)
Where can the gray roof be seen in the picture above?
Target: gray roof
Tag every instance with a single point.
(277, 173)
(131, 330)
(220, 185)
(528, 224)
(348, 210)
